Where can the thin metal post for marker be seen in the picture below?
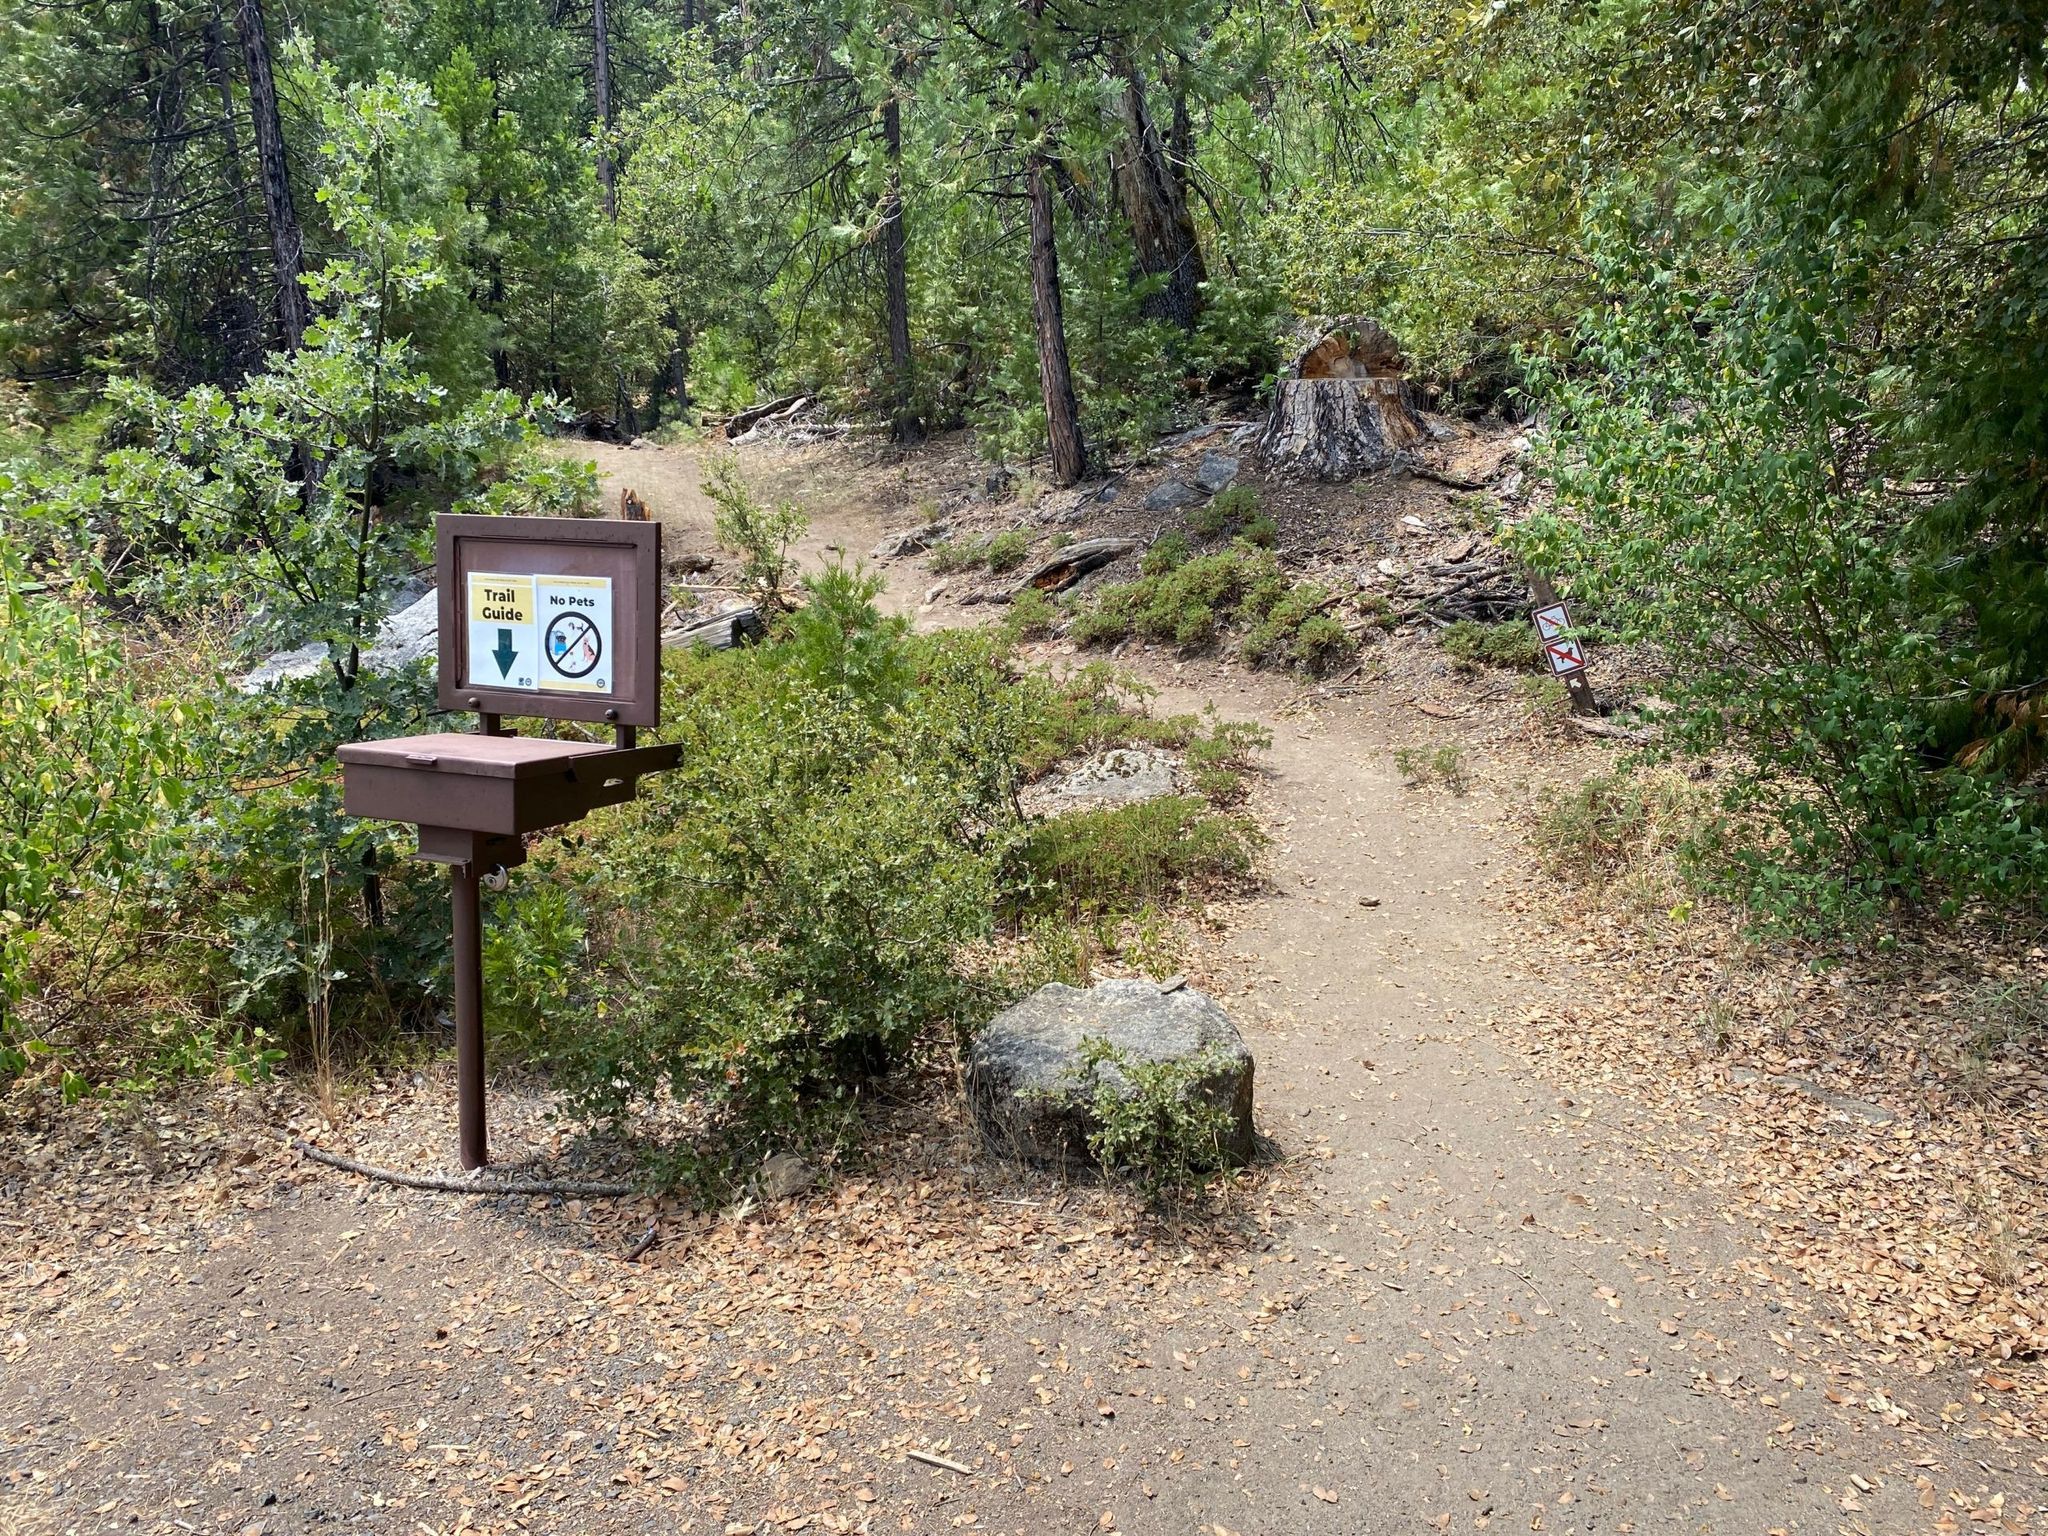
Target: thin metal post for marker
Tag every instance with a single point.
(466, 897)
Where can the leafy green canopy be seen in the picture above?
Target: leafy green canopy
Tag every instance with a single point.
(1799, 450)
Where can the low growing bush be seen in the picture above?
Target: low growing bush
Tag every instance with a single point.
(1193, 601)
(1510, 644)
(1158, 1124)
(1118, 859)
(1006, 551)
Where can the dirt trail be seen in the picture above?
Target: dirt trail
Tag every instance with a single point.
(1491, 1311)
(1473, 1305)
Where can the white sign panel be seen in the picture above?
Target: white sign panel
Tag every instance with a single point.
(1565, 656)
(575, 624)
(504, 640)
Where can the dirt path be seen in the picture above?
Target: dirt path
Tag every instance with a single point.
(1468, 1302)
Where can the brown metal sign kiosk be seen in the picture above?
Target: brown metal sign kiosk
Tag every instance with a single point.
(557, 617)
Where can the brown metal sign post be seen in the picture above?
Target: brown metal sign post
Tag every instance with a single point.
(555, 617)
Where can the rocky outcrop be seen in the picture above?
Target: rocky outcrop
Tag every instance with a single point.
(1032, 1094)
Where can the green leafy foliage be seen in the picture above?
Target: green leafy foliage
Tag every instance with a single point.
(1195, 600)
(1510, 644)
(761, 535)
(93, 774)
(1162, 1125)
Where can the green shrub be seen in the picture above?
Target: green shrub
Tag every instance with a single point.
(537, 956)
(1118, 859)
(1232, 505)
(762, 536)
(93, 774)
(1006, 551)
(1031, 615)
(1162, 1125)
(953, 555)
(1169, 552)
(789, 905)
(1192, 601)
(840, 642)
(1219, 755)
(1511, 644)
(1867, 654)
(1296, 630)
(1260, 530)
(796, 908)
(1442, 764)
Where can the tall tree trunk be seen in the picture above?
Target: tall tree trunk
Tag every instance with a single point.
(287, 243)
(1155, 201)
(904, 425)
(1055, 375)
(165, 91)
(244, 340)
(679, 365)
(600, 37)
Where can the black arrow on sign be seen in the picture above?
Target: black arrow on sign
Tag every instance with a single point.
(506, 653)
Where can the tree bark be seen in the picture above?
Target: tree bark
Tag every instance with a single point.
(600, 36)
(904, 425)
(1055, 374)
(165, 91)
(1336, 428)
(679, 365)
(287, 241)
(244, 339)
(1155, 202)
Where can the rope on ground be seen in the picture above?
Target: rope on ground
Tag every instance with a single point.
(454, 1186)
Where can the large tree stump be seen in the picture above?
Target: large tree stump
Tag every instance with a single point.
(1343, 407)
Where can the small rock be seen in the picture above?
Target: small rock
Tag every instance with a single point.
(997, 482)
(1171, 495)
(1368, 901)
(690, 564)
(1120, 776)
(639, 442)
(1032, 1098)
(1510, 487)
(784, 1175)
(1215, 471)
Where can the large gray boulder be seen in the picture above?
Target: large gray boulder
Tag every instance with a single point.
(1031, 1095)
(408, 634)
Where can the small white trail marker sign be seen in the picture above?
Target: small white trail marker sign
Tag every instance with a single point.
(1564, 654)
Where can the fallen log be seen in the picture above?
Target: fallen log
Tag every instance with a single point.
(740, 421)
(722, 631)
(1066, 566)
